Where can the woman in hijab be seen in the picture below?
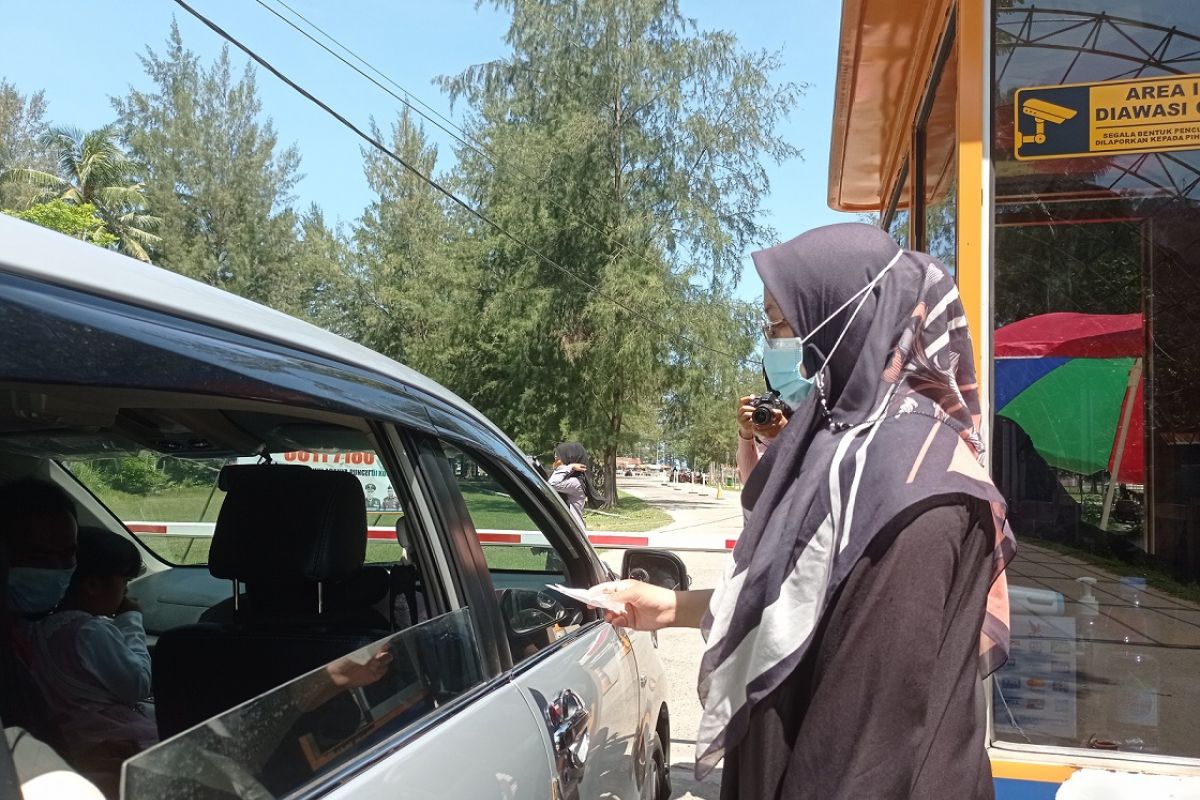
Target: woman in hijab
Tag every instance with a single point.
(866, 596)
(570, 479)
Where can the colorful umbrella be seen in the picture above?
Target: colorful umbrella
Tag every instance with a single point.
(1065, 379)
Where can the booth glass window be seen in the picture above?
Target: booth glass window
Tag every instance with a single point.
(938, 155)
(1096, 434)
(897, 220)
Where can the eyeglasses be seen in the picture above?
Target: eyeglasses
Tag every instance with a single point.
(769, 326)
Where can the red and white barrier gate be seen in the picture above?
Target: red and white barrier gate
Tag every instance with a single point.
(666, 540)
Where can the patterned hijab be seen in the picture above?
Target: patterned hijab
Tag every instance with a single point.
(897, 411)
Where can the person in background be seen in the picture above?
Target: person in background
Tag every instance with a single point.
(867, 595)
(90, 656)
(754, 439)
(570, 478)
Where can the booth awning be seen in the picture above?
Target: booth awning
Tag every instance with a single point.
(885, 55)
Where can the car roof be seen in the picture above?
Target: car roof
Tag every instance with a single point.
(32, 251)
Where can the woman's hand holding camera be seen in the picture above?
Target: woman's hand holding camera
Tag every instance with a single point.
(746, 427)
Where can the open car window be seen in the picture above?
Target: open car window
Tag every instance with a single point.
(299, 733)
(511, 540)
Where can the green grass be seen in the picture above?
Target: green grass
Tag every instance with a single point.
(176, 504)
(520, 559)
(178, 549)
(491, 510)
(384, 552)
(634, 515)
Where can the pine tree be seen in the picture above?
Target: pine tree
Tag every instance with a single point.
(410, 286)
(629, 146)
(22, 126)
(216, 175)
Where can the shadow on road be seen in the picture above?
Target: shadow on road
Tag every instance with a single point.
(684, 785)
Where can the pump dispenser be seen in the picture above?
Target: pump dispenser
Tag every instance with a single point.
(1089, 607)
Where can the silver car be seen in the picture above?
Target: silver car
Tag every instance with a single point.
(347, 573)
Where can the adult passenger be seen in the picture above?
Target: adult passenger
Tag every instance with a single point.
(40, 772)
(38, 529)
(37, 550)
(866, 598)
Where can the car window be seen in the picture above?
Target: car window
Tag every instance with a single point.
(171, 503)
(292, 736)
(511, 540)
(523, 561)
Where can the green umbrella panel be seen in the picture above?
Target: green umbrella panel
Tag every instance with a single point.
(1072, 413)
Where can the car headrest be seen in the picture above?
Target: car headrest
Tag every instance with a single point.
(288, 522)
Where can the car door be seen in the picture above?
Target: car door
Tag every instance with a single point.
(424, 712)
(580, 681)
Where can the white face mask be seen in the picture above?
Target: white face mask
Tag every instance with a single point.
(34, 590)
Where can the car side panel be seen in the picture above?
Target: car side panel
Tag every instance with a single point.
(491, 749)
(599, 665)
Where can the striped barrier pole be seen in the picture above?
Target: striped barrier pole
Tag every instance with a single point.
(699, 541)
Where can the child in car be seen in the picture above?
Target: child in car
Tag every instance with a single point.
(90, 656)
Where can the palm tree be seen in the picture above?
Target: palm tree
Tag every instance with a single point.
(93, 169)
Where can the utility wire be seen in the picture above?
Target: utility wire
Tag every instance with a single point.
(442, 123)
(481, 216)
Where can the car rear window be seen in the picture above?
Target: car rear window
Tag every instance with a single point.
(171, 503)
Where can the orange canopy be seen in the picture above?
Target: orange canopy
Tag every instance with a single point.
(885, 58)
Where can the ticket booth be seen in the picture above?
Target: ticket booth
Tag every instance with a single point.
(1051, 157)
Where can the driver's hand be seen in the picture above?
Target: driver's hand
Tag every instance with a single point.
(647, 607)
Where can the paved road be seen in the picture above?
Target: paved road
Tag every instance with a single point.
(692, 509)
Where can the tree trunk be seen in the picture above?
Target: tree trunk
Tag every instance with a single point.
(610, 475)
(615, 418)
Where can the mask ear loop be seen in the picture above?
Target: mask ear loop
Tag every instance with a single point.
(862, 295)
(870, 285)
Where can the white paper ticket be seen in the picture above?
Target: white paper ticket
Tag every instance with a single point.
(591, 596)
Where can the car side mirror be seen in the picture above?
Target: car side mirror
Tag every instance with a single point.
(659, 567)
(527, 611)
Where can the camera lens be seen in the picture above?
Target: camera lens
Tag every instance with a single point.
(761, 416)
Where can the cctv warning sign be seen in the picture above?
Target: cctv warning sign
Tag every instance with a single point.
(1134, 116)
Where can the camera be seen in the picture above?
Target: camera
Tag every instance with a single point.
(764, 408)
(1046, 111)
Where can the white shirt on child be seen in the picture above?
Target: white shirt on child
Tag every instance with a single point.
(95, 671)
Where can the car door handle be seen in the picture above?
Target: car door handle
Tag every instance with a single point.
(569, 733)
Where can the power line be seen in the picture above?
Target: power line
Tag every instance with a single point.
(459, 134)
(443, 190)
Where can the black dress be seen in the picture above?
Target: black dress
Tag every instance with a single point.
(887, 702)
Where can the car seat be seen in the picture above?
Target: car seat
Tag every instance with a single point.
(296, 538)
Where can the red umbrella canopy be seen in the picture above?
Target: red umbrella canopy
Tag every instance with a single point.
(1072, 335)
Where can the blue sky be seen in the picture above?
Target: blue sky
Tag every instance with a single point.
(82, 54)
